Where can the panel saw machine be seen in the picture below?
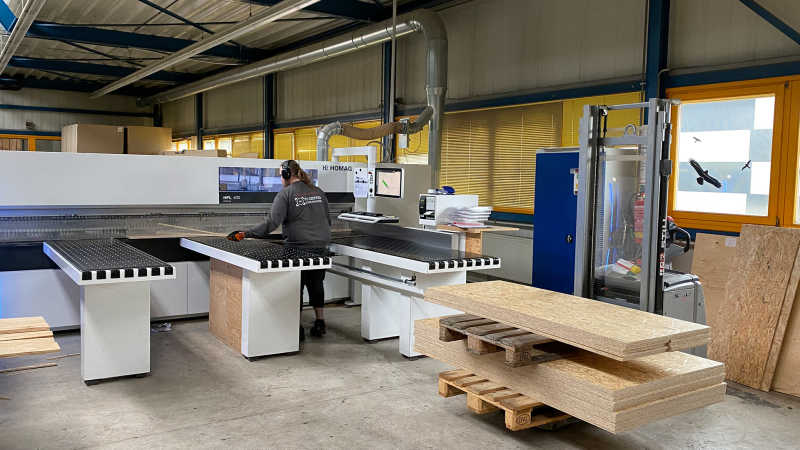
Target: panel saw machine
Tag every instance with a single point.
(150, 202)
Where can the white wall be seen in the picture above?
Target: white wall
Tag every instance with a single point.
(235, 105)
(13, 119)
(349, 83)
(179, 115)
(717, 32)
(501, 46)
(498, 47)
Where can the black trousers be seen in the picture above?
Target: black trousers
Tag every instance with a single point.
(312, 280)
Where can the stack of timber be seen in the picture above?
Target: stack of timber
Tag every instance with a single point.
(755, 321)
(607, 365)
(616, 396)
(26, 336)
(609, 330)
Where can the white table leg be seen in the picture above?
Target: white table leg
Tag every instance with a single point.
(270, 313)
(115, 330)
(420, 309)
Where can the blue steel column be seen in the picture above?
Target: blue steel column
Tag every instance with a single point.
(657, 47)
(269, 115)
(388, 153)
(198, 119)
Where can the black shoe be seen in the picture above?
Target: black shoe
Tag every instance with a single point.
(318, 330)
(302, 334)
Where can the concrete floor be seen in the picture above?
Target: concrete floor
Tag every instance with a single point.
(338, 392)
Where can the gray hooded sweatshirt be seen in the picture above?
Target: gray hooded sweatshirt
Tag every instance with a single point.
(303, 212)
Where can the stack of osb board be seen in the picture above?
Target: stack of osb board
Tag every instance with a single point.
(609, 330)
(616, 396)
(26, 336)
(752, 317)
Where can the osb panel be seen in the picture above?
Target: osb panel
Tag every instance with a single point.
(588, 324)
(225, 307)
(760, 294)
(787, 372)
(712, 263)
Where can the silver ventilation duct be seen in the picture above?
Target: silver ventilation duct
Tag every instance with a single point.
(426, 21)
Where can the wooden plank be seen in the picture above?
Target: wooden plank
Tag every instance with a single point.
(25, 347)
(225, 306)
(588, 324)
(759, 294)
(23, 325)
(21, 368)
(712, 262)
(25, 335)
(613, 395)
(477, 346)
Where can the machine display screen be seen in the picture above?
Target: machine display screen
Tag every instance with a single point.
(252, 184)
(388, 182)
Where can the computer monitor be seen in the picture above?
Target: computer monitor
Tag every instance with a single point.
(388, 182)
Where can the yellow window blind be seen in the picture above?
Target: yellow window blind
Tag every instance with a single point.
(492, 153)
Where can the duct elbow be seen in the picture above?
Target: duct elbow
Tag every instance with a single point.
(323, 136)
(417, 125)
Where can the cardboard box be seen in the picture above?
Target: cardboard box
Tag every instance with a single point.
(148, 140)
(86, 138)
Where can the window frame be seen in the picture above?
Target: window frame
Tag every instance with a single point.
(732, 91)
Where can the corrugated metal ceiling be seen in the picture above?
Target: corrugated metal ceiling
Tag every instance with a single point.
(137, 17)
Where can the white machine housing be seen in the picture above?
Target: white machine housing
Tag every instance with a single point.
(438, 209)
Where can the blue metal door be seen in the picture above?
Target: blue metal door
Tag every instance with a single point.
(554, 215)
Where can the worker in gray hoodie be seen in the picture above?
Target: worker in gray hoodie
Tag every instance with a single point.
(302, 209)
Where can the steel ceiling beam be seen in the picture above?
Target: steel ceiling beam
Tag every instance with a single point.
(93, 69)
(16, 83)
(282, 9)
(773, 20)
(114, 38)
(347, 9)
(175, 15)
(19, 29)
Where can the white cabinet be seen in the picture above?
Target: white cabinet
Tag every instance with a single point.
(197, 287)
(169, 297)
(516, 253)
(51, 294)
(46, 292)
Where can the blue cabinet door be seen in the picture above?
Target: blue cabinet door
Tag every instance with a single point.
(554, 214)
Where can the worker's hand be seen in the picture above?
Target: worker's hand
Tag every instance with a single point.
(236, 236)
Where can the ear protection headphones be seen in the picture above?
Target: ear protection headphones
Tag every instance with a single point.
(286, 172)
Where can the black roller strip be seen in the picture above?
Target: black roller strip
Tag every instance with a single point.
(100, 259)
(271, 254)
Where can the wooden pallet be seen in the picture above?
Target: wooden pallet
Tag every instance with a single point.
(484, 396)
(487, 336)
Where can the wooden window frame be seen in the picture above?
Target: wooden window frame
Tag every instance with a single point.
(731, 91)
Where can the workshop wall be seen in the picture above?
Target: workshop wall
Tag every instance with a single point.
(498, 47)
(179, 115)
(350, 83)
(717, 32)
(235, 105)
(53, 121)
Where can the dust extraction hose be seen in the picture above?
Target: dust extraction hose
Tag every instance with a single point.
(367, 134)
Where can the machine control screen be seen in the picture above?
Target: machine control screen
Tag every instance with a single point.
(252, 184)
(389, 182)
